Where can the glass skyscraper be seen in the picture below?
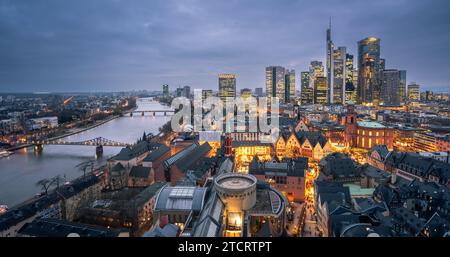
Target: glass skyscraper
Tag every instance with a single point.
(339, 77)
(227, 86)
(275, 82)
(369, 71)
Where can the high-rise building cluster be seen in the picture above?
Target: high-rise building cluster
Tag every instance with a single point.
(280, 82)
(364, 80)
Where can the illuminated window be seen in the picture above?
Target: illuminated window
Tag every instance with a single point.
(370, 133)
(378, 133)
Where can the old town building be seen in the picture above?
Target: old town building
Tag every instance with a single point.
(365, 134)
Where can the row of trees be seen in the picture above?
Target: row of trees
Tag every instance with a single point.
(45, 184)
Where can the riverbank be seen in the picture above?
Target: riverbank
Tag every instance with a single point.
(76, 131)
(20, 171)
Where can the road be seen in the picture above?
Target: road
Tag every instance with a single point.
(293, 226)
(310, 228)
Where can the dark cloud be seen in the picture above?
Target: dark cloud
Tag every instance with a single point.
(86, 45)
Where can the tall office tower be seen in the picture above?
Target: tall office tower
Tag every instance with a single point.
(315, 70)
(330, 65)
(350, 89)
(165, 90)
(355, 84)
(259, 92)
(307, 96)
(275, 82)
(187, 91)
(179, 92)
(320, 91)
(289, 87)
(246, 92)
(426, 96)
(414, 92)
(339, 75)
(304, 79)
(390, 87)
(402, 89)
(207, 93)
(369, 69)
(227, 87)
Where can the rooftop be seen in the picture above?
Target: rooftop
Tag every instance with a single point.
(370, 124)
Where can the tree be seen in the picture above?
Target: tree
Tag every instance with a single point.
(44, 184)
(144, 137)
(57, 180)
(85, 166)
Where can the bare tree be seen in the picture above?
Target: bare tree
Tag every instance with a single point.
(57, 180)
(84, 166)
(44, 184)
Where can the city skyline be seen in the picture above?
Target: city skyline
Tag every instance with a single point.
(119, 47)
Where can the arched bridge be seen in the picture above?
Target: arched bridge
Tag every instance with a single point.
(93, 142)
(99, 142)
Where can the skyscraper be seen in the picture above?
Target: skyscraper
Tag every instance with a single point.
(259, 92)
(275, 82)
(315, 70)
(304, 79)
(330, 65)
(414, 92)
(402, 89)
(350, 89)
(339, 75)
(289, 80)
(246, 92)
(369, 70)
(390, 87)
(307, 96)
(165, 90)
(187, 91)
(320, 90)
(207, 93)
(227, 86)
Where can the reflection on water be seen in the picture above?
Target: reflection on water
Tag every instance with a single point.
(20, 171)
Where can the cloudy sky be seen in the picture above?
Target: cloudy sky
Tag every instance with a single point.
(100, 45)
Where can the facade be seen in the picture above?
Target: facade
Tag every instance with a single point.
(366, 134)
(413, 92)
(246, 92)
(369, 69)
(227, 86)
(307, 96)
(392, 91)
(312, 145)
(287, 177)
(42, 123)
(259, 92)
(289, 85)
(315, 71)
(206, 93)
(276, 82)
(320, 90)
(165, 88)
(339, 76)
(330, 66)
(350, 88)
(304, 80)
(430, 142)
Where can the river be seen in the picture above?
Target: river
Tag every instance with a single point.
(20, 171)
